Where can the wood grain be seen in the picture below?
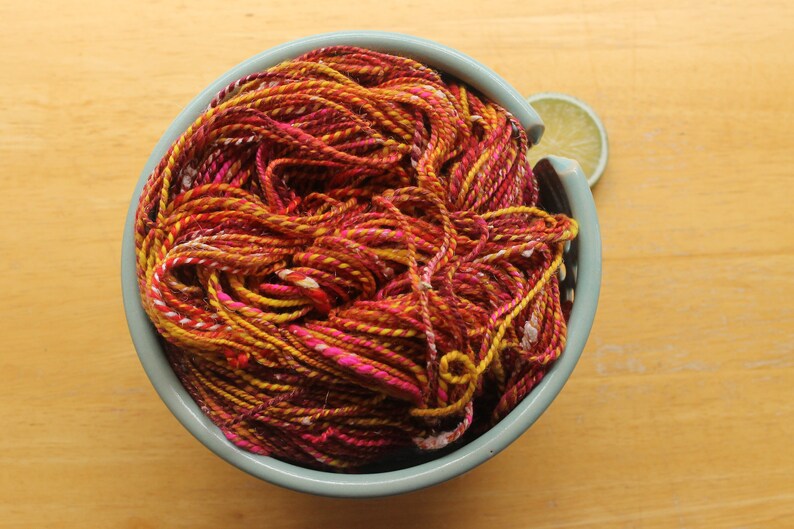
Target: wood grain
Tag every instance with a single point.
(681, 412)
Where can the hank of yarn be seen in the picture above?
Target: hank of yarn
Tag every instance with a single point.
(345, 257)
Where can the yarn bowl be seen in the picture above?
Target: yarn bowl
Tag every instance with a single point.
(563, 189)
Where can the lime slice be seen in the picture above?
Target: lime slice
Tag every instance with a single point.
(573, 130)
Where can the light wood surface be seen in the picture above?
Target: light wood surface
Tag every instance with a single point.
(681, 411)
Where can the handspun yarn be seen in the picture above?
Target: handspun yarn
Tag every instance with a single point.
(344, 257)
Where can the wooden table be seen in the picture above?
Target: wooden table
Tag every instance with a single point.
(681, 411)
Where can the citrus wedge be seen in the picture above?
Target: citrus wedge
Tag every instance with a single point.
(573, 130)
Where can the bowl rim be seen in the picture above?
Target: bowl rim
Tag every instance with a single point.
(467, 457)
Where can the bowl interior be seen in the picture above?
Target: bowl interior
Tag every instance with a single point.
(564, 189)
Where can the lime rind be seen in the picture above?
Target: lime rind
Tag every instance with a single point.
(601, 163)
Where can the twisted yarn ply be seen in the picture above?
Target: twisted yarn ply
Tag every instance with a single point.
(344, 257)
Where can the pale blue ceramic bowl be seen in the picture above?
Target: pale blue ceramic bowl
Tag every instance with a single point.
(564, 188)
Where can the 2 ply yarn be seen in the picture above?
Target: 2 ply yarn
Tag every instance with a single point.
(344, 257)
